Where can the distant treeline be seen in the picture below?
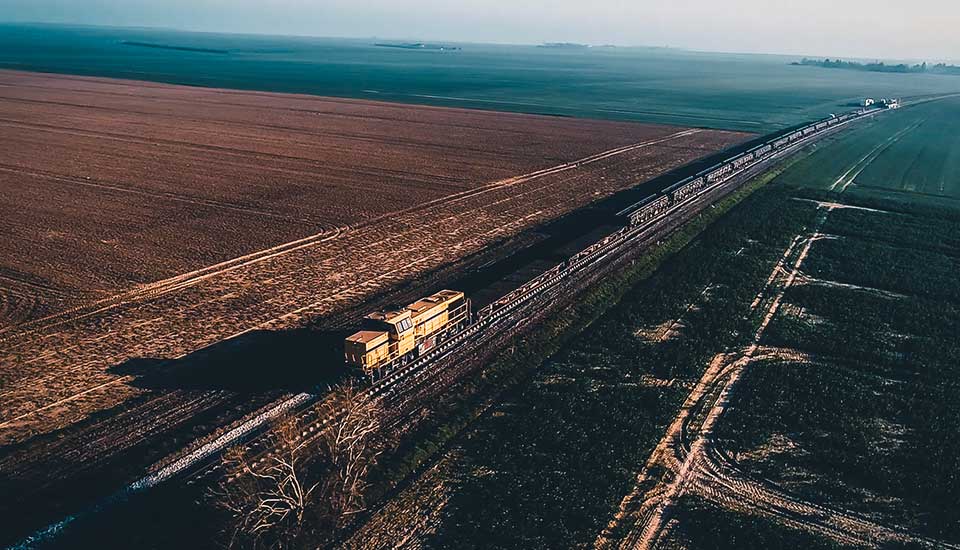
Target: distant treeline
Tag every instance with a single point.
(417, 46)
(880, 67)
(169, 47)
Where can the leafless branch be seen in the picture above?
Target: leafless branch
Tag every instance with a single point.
(272, 499)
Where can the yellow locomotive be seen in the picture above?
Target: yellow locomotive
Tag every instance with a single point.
(394, 337)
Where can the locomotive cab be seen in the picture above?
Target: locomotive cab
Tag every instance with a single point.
(396, 336)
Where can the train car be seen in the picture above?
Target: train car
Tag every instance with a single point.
(676, 191)
(764, 151)
(781, 142)
(650, 210)
(715, 175)
(741, 161)
(393, 337)
(821, 125)
(698, 184)
(687, 190)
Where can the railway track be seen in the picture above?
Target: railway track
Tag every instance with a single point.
(508, 204)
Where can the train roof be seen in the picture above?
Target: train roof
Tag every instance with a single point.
(434, 300)
(423, 304)
(366, 336)
(389, 316)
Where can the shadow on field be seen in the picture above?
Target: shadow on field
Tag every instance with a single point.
(293, 360)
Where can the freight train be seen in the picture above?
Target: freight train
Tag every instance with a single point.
(654, 206)
(397, 336)
(394, 337)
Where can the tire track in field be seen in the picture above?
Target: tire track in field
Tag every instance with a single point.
(692, 463)
(849, 177)
(643, 513)
(175, 197)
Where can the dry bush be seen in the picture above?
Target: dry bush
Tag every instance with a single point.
(351, 447)
(310, 485)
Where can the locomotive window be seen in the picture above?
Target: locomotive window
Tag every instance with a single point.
(405, 325)
(372, 324)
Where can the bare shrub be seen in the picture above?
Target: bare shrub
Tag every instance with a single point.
(309, 485)
(351, 447)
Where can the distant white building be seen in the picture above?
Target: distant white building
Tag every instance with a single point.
(868, 102)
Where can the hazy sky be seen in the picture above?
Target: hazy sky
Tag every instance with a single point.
(859, 28)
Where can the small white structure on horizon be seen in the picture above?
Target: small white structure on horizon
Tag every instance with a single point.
(868, 102)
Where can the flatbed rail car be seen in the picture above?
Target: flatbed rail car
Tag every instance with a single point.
(649, 209)
(395, 337)
(652, 206)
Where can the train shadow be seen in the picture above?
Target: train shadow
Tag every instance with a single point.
(258, 361)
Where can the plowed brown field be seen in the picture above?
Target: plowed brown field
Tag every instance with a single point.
(148, 221)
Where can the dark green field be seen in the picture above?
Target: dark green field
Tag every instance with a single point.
(915, 150)
(704, 526)
(870, 421)
(756, 93)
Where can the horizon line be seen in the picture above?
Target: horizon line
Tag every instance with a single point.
(490, 43)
